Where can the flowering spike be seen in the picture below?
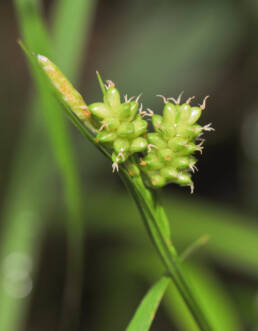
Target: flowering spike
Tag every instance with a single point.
(174, 139)
(120, 126)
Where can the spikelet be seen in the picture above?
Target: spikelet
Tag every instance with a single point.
(120, 125)
(170, 158)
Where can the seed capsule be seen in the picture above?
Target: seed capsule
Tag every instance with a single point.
(194, 115)
(100, 110)
(124, 111)
(182, 162)
(106, 137)
(185, 111)
(158, 181)
(121, 145)
(126, 130)
(140, 126)
(157, 122)
(133, 109)
(112, 98)
(169, 173)
(111, 123)
(152, 162)
(155, 139)
(189, 132)
(177, 144)
(133, 170)
(184, 179)
(170, 113)
(138, 145)
(165, 154)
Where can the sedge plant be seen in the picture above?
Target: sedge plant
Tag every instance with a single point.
(145, 160)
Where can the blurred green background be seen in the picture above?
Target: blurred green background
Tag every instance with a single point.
(74, 252)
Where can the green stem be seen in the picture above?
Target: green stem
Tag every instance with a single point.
(153, 215)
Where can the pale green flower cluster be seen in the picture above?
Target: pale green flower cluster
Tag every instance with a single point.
(163, 156)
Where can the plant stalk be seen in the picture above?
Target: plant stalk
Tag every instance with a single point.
(154, 216)
(156, 223)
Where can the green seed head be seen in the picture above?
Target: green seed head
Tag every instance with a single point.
(119, 125)
(172, 160)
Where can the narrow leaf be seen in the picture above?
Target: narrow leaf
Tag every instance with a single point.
(101, 84)
(193, 247)
(147, 309)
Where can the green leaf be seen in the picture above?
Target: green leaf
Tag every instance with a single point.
(213, 298)
(147, 309)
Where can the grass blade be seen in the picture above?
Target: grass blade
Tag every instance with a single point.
(147, 309)
(210, 289)
(80, 15)
(213, 298)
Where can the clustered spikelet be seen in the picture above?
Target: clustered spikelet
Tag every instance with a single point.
(120, 125)
(173, 143)
(166, 155)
